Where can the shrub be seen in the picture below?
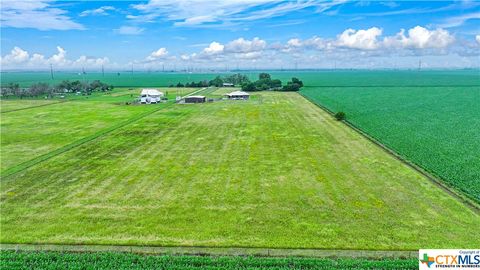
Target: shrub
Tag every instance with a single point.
(340, 116)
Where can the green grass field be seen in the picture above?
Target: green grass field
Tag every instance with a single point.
(437, 128)
(57, 260)
(34, 127)
(275, 171)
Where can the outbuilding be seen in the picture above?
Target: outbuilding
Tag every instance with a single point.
(238, 95)
(228, 84)
(195, 99)
(150, 96)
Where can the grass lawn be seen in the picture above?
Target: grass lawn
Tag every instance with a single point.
(29, 134)
(8, 105)
(116, 261)
(275, 171)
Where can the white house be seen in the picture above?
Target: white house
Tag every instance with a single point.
(238, 95)
(228, 84)
(149, 96)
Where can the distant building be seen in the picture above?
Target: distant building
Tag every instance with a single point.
(195, 99)
(238, 95)
(228, 84)
(150, 96)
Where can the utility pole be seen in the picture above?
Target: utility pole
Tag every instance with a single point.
(132, 70)
(163, 67)
(420, 64)
(103, 71)
(51, 71)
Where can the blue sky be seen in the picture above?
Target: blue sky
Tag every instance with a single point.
(245, 33)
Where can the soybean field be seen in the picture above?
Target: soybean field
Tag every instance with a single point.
(436, 127)
(118, 261)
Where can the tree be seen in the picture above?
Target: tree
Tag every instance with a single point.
(297, 81)
(38, 89)
(294, 85)
(340, 116)
(11, 89)
(263, 76)
(180, 84)
(75, 86)
(5, 92)
(276, 83)
(95, 85)
(236, 79)
(248, 87)
(64, 85)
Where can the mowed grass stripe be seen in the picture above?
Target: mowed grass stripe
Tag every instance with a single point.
(34, 161)
(272, 172)
(30, 107)
(30, 134)
(92, 167)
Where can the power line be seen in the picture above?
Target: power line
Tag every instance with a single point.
(51, 71)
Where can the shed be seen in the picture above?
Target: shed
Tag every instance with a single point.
(195, 99)
(238, 95)
(228, 84)
(149, 95)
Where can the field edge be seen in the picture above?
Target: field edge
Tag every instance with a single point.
(217, 251)
(452, 191)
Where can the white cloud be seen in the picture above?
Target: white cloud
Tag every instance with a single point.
(477, 38)
(459, 20)
(91, 61)
(317, 43)
(19, 58)
(16, 56)
(294, 42)
(60, 58)
(420, 38)
(361, 39)
(101, 11)
(37, 59)
(214, 48)
(248, 55)
(35, 14)
(369, 40)
(292, 45)
(221, 13)
(158, 54)
(129, 30)
(242, 45)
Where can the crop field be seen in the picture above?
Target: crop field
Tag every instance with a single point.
(437, 128)
(116, 261)
(310, 78)
(274, 171)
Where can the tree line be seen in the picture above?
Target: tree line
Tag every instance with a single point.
(235, 79)
(265, 82)
(44, 89)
